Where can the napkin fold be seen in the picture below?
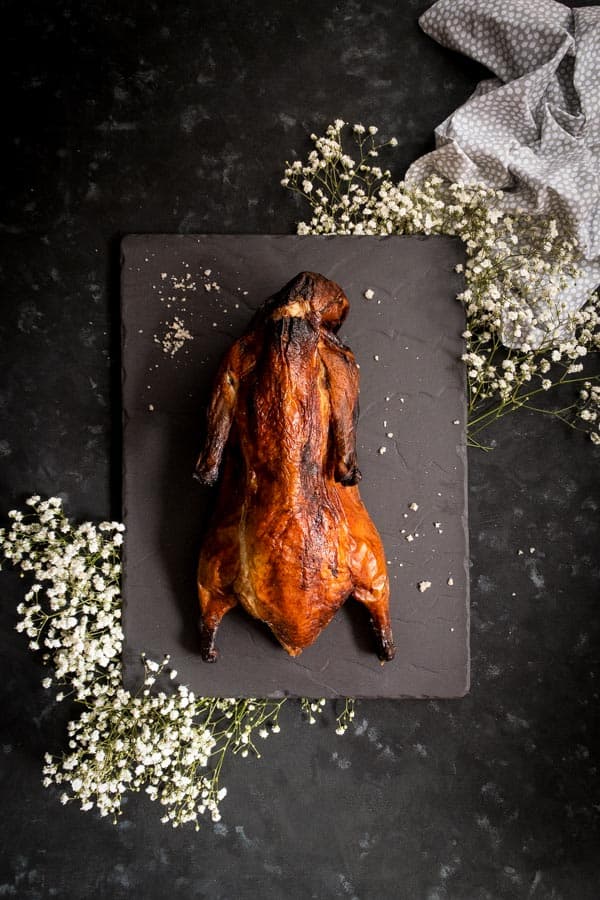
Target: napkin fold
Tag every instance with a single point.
(533, 130)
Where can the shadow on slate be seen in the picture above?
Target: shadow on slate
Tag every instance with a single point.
(407, 340)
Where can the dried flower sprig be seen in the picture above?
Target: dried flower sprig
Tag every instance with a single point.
(588, 409)
(521, 339)
(168, 743)
(345, 717)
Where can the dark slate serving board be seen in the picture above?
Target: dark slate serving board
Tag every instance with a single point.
(407, 340)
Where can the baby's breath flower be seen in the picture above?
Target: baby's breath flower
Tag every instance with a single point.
(172, 745)
(520, 338)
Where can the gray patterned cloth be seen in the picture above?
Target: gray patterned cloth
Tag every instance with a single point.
(534, 129)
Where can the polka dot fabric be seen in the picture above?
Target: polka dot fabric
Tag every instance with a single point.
(534, 128)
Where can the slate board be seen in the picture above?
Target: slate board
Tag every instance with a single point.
(407, 340)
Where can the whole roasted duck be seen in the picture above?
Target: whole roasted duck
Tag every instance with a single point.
(290, 539)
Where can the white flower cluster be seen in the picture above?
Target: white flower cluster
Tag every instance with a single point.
(345, 717)
(171, 744)
(311, 708)
(515, 270)
(589, 409)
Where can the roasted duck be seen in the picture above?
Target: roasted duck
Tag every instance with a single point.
(290, 539)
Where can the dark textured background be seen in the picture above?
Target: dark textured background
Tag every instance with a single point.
(177, 117)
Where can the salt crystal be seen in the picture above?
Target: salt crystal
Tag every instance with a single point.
(369, 294)
(424, 586)
(382, 450)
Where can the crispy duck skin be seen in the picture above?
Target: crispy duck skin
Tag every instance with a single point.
(290, 539)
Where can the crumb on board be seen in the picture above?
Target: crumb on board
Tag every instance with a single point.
(174, 338)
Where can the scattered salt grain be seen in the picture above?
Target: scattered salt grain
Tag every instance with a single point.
(424, 586)
(174, 338)
(207, 272)
(390, 434)
(410, 538)
(450, 581)
(151, 407)
(414, 506)
(456, 422)
(376, 358)
(532, 549)
(369, 294)
(382, 450)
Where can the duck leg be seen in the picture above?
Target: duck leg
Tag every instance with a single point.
(213, 607)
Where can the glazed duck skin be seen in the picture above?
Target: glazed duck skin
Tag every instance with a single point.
(290, 539)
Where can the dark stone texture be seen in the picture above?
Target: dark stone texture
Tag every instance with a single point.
(177, 117)
(412, 387)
